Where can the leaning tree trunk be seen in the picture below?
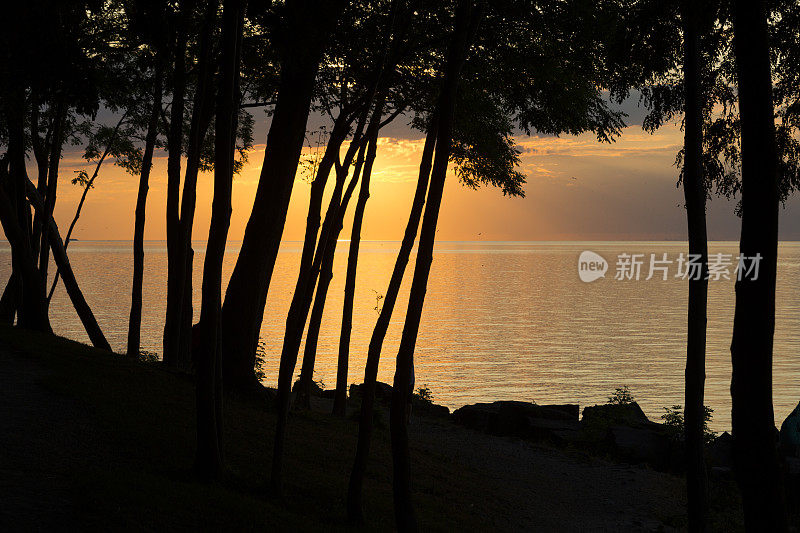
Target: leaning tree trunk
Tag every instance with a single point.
(86, 188)
(296, 321)
(74, 292)
(41, 153)
(307, 278)
(325, 277)
(695, 195)
(209, 359)
(340, 396)
(309, 269)
(753, 418)
(135, 319)
(355, 511)
(405, 517)
(309, 24)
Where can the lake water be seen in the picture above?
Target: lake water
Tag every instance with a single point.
(502, 320)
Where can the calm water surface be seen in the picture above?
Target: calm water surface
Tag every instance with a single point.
(502, 320)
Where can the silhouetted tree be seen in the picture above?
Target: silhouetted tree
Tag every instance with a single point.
(752, 415)
(302, 31)
(149, 23)
(466, 21)
(209, 358)
(180, 214)
(695, 195)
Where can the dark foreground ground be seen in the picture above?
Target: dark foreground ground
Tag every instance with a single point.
(95, 441)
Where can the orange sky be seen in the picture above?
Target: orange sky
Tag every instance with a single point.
(577, 190)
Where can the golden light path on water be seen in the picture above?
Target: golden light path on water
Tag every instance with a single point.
(502, 320)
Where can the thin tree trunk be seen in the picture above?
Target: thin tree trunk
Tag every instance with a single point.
(377, 93)
(209, 390)
(86, 189)
(135, 318)
(695, 196)
(85, 314)
(52, 183)
(466, 19)
(202, 112)
(343, 361)
(325, 277)
(175, 149)
(246, 295)
(355, 511)
(306, 273)
(41, 150)
(753, 418)
(296, 320)
(179, 297)
(340, 396)
(307, 277)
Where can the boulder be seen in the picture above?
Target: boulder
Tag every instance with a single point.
(383, 391)
(629, 414)
(476, 416)
(383, 395)
(316, 390)
(558, 423)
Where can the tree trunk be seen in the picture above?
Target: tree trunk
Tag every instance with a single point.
(466, 20)
(41, 151)
(175, 149)
(135, 319)
(85, 314)
(695, 195)
(340, 397)
(209, 378)
(296, 321)
(10, 300)
(52, 183)
(355, 511)
(307, 278)
(753, 418)
(86, 188)
(325, 277)
(246, 295)
(32, 311)
(181, 274)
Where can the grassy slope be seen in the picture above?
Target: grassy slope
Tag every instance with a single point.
(133, 468)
